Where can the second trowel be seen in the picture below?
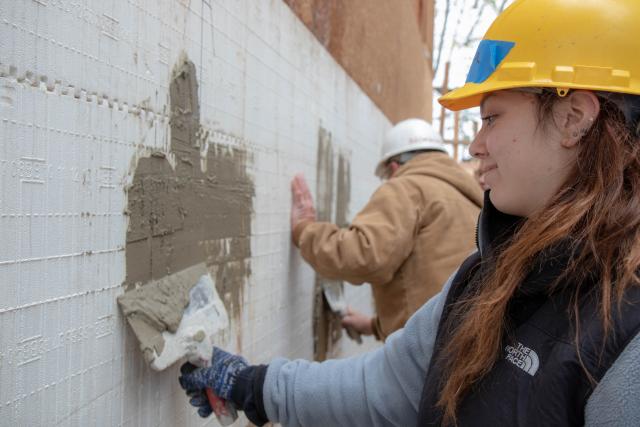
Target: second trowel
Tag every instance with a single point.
(334, 293)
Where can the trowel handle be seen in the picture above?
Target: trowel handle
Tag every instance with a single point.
(225, 412)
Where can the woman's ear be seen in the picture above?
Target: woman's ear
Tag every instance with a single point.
(578, 112)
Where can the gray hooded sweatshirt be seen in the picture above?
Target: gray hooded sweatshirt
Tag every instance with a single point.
(383, 387)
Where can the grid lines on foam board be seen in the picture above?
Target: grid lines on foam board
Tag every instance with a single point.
(83, 93)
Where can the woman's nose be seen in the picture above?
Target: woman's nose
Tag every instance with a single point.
(478, 148)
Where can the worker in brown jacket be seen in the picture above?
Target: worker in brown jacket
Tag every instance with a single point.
(418, 226)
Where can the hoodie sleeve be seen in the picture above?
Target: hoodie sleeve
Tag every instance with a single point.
(379, 239)
(380, 388)
(614, 402)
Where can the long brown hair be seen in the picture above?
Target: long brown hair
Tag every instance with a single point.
(597, 210)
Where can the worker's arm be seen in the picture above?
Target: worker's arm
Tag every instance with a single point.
(378, 241)
(380, 388)
(614, 401)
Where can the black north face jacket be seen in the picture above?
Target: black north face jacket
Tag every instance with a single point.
(541, 378)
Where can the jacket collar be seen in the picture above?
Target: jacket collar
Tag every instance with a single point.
(494, 227)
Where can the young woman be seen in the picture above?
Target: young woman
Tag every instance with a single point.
(539, 326)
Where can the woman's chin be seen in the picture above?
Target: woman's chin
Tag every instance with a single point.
(502, 203)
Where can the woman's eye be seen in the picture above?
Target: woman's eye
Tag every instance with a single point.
(488, 120)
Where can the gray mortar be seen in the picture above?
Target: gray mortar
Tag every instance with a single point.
(327, 326)
(158, 307)
(181, 217)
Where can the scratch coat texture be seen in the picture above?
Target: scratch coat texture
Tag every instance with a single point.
(331, 189)
(186, 215)
(326, 329)
(86, 152)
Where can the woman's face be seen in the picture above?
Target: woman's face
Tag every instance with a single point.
(524, 162)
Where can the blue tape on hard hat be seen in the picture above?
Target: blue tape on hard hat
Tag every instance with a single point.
(489, 55)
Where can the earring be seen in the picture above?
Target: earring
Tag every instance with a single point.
(575, 134)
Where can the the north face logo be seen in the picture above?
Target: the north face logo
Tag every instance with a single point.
(523, 357)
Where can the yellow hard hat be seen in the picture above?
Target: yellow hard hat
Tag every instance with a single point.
(562, 44)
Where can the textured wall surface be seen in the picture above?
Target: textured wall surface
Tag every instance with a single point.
(84, 99)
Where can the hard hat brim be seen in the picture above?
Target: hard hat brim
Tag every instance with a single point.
(470, 95)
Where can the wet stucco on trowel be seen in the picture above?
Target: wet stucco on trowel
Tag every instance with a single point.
(326, 326)
(198, 211)
(158, 307)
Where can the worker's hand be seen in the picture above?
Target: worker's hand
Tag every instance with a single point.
(358, 321)
(219, 377)
(302, 210)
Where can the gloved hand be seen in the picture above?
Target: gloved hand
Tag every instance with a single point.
(302, 210)
(220, 377)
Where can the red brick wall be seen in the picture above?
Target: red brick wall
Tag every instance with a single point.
(384, 45)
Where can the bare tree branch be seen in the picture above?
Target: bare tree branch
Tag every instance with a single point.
(442, 34)
(469, 39)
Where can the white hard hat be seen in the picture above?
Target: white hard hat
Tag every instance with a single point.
(409, 135)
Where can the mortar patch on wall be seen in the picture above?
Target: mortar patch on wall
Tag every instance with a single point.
(330, 190)
(196, 208)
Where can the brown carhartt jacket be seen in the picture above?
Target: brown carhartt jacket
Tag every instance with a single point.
(414, 232)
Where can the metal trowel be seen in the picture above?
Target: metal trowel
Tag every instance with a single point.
(334, 293)
(202, 321)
